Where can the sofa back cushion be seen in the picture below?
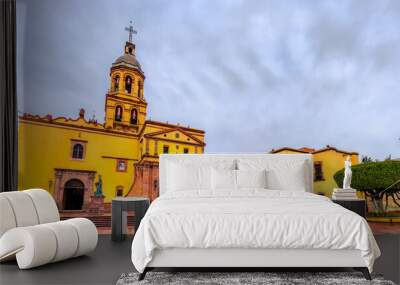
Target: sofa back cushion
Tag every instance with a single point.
(7, 218)
(45, 205)
(26, 208)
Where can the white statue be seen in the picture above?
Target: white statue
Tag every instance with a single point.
(347, 173)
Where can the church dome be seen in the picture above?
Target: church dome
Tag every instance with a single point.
(128, 60)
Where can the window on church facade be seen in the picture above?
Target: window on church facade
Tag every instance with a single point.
(318, 173)
(128, 84)
(185, 150)
(119, 191)
(165, 149)
(116, 83)
(77, 151)
(118, 114)
(122, 165)
(134, 117)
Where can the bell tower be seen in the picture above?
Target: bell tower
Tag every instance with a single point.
(125, 106)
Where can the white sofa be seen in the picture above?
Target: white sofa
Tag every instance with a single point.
(31, 230)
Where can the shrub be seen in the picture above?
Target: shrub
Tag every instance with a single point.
(372, 175)
(377, 180)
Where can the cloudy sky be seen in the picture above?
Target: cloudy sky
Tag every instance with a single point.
(255, 75)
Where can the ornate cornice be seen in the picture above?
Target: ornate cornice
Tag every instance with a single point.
(134, 100)
(124, 67)
(154, 134)
(171, 126)
(74, 170)
(309, 150)
(78, 124)
(121, 158)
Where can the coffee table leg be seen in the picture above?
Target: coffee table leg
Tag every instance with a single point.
(124, 224)
(116, 222)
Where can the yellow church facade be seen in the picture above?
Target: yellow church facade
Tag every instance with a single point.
(327, 161)
(72, 157)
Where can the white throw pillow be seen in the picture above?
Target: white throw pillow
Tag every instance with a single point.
(291, 178)
(251, 178)
(223, 179)
(181, 177)
(282, 174)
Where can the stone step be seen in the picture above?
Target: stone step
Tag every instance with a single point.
(102, 221)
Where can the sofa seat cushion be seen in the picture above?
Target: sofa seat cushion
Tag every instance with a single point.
(41, 244)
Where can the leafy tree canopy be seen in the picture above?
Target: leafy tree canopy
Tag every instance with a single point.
(373, 175)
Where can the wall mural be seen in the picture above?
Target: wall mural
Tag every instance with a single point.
(121, 154)
(89, 162)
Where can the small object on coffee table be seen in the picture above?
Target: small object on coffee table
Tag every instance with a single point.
(120, 207)
(344, 194)
(347, 173)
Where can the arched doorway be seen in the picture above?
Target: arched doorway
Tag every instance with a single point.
(73, 194)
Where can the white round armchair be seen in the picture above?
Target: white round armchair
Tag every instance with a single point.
(31, 230)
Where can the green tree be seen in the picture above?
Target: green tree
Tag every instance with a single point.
(366, 159)
(378, 180)
(389, 157)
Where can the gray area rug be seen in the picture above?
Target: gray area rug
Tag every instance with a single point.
(227, 278)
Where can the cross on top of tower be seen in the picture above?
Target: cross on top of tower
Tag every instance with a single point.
(131, 31)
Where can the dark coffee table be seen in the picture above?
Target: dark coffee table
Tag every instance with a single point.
(120, 208)
(358, 206)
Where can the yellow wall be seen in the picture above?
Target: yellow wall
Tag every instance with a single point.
(43, 147)
(45, 143)
(170, 139)
(136, 77)
(174, 147)
(127, 101)
(126, 115)
(332, 161)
